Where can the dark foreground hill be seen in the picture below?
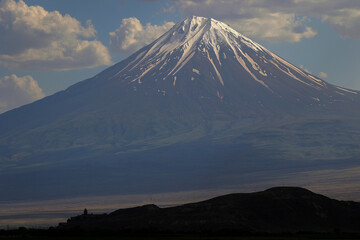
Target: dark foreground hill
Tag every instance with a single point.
(280, 209)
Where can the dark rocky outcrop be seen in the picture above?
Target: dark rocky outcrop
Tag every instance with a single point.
(280, 209)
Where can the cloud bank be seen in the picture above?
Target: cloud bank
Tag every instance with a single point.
(32, 38)
(132, 35)
(278, 21)
(16, 91)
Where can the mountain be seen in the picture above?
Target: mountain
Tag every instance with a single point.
(197, 108)
(280, 209)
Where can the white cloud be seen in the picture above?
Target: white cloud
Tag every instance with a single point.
(278, 21)
(274, 27)
(252, 18)
(305, 69)
(32, 38)
(323, 75)
(132, 35)
(16, 91)
(345, 21)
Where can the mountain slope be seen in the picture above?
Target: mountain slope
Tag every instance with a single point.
(200, 93)
(280, 209)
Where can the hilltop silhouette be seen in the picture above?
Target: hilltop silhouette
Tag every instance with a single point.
(279, 209)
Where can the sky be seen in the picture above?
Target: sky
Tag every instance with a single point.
(46, 46)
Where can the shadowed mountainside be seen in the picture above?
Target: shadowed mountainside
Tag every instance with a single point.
(195, 109)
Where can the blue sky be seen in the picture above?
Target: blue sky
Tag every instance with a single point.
(46, 46)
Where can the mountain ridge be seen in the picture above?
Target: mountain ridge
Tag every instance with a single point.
(279, 209)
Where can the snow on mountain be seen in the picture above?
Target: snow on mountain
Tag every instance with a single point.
(206, 35)
(220, 59)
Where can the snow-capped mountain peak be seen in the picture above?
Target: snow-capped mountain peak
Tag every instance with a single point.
(194, 34)
(193, 31)
(204, 51)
